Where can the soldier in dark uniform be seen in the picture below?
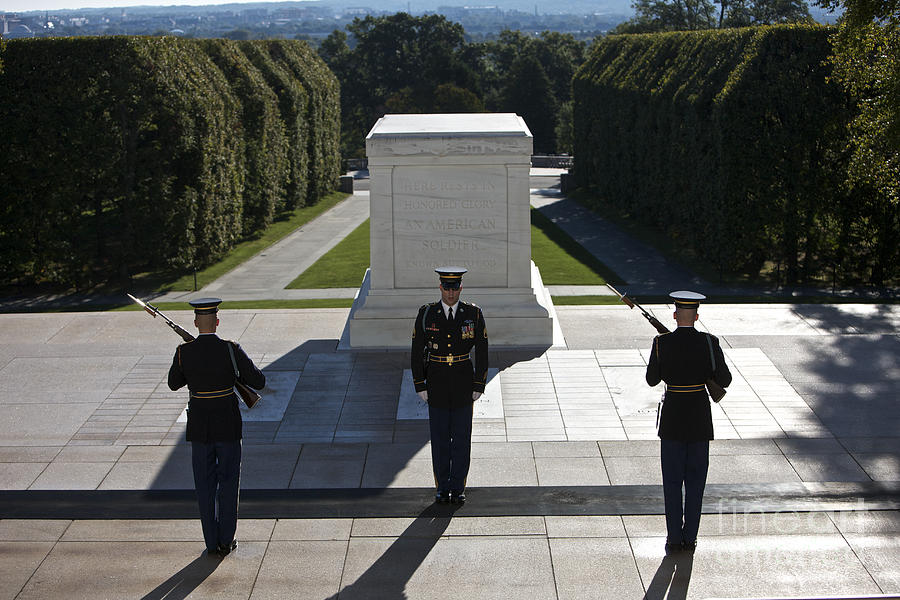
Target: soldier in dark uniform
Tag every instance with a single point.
(685, 359)
(449, 376)
(206, 366)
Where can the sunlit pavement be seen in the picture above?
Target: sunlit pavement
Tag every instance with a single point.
(802, 497)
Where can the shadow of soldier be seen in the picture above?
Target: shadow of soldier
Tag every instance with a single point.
(387, 577)
(672, 577)
(183, 583)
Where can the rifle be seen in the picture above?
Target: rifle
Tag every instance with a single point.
(249, 396)
(716, 391)
(660, 328)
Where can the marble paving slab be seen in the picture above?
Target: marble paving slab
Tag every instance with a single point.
(489, 406)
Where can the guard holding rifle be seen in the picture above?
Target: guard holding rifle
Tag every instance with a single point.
(210, 366)
(449, 376)
(686, 359)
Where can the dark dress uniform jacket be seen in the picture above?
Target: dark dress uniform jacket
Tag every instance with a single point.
(682, 359)
(204, 365)
(449, 385)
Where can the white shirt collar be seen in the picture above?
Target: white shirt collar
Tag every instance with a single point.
(447, 307)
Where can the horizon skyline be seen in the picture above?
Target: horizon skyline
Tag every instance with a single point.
(23, 6)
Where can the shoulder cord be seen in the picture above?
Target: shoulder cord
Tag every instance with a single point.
(712, 357)
(237, 372)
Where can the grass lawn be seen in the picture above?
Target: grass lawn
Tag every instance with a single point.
(245, 250)
(342, 267)
(562, 260)
(246, 304)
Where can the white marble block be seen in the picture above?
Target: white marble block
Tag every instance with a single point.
(450, 189)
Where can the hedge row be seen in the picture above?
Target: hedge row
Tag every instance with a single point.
(731, 141)
(126, 154)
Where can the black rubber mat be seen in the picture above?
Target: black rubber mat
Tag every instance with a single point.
(481, 502)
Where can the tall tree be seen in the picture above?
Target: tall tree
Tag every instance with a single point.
(867, 61)
(560, 54)
(529, 93)
(744, 13)
(394, 62)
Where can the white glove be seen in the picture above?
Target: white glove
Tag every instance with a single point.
(476, 395)
(423, 395)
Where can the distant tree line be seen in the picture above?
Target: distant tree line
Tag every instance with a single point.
(692, 15)
(405, 63)
(121, 155)
(401, 63)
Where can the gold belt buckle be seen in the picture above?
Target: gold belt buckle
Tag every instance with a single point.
(450, 360)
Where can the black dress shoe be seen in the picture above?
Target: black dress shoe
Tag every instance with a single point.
(225, 550)
(689, 546)
(672, 548)
(458, 497)
(442, 497)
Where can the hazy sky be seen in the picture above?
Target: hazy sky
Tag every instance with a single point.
(28, 5)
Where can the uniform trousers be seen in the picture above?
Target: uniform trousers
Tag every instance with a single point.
(451, 442)
(683, 464)
(217, 479)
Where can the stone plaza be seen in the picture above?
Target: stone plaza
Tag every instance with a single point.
(565, 502)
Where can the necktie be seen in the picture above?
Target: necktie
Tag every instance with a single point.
(450, 314)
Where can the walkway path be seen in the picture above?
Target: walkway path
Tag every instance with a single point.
(642, 266)
(266, 275)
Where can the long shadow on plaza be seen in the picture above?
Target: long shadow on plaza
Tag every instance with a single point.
(850, 378)
(672, 578)
(183, 583)
(388, 575)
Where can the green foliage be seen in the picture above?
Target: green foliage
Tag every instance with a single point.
(743, 13)
(730, 141)
(562, 260)
(284, 225)
(531, 76)
(292, 104)
(322, 115)
(342, 266)
(866, 60)
(396, 61)
(406, 64)
(528, 93)
(123, 154)
(653, 16)
(263, 132)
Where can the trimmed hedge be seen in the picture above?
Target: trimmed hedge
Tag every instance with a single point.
(127, 154)
(731, 141)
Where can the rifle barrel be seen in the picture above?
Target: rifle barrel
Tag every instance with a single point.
(621, 296)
